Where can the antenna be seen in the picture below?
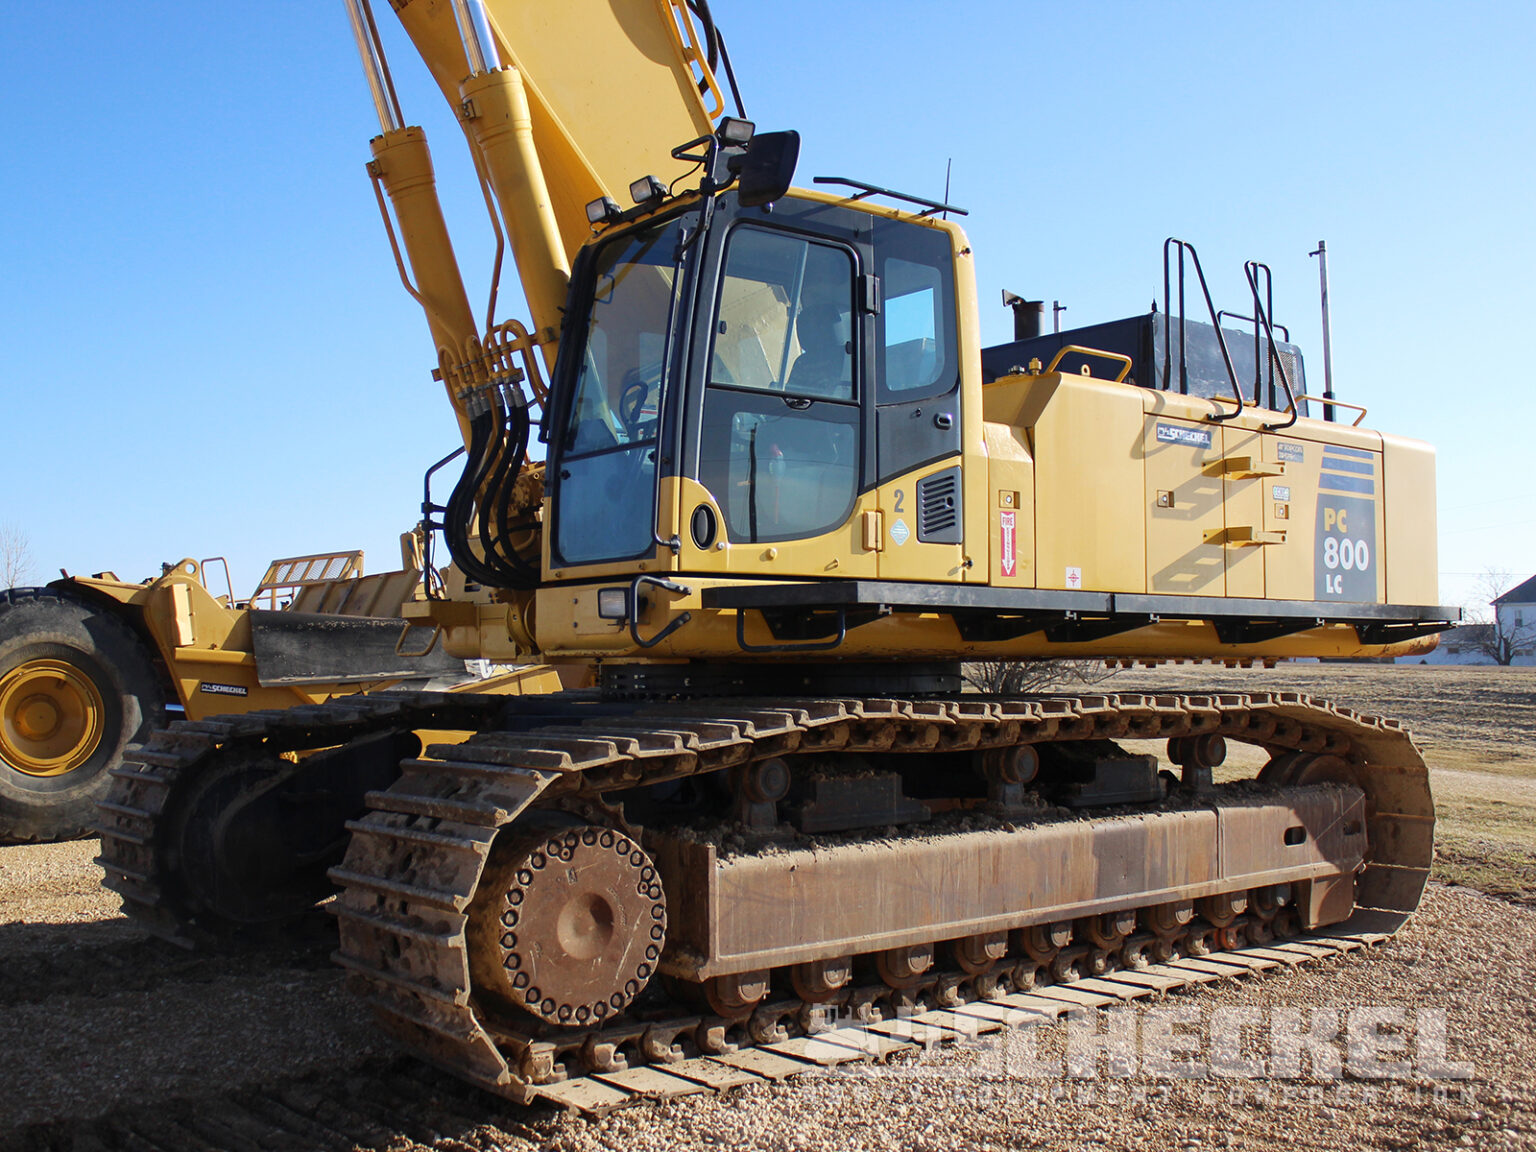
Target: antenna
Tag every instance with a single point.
(948, 164)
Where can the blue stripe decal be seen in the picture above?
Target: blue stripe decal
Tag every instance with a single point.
(1357, 453)
(1361, 466)
(1331, 483)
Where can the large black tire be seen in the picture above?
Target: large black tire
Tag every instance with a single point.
(76, 688)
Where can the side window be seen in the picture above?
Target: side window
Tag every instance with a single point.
(912, 320)
(786, 316)
(780, 444)
(917, 319)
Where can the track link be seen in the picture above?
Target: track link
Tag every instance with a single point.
(136, 821)
(414, 862)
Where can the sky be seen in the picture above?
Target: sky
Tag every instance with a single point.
(205, 349)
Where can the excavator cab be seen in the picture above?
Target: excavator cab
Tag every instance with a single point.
(770, 368)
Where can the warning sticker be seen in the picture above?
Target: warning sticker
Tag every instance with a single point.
(1008, 533)
(223, 689)
(900, 532)
(1074, 578)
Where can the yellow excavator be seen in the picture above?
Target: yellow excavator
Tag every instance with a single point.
(784, 492)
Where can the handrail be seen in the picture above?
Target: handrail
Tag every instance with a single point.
(685, 38)
(1226, 356)
(1281, 328)
(1085, 351)
(1250, 270)
(1259, 359)
(1254, 320)
(202, 576)
(1334, 401)
(864, 190)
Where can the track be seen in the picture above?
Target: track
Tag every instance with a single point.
(134, 820)
(414, 864)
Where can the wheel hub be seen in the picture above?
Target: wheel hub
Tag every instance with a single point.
(51, 718)
(572, 924)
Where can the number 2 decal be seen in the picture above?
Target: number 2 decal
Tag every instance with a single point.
(899, 498)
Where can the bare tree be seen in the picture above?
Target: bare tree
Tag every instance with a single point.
(1013, 677)
(1501, 635)
(15, 557)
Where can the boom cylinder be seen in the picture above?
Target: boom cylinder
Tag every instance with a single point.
(402, 163)
(474, 26)
(498, 119)
(375, 67)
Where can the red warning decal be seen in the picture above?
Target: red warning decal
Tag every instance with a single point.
(1009, 534)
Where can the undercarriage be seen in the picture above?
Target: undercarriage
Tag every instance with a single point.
(587, 894)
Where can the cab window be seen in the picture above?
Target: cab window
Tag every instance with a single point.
(607, 447)
(917, 318)
(780, 444)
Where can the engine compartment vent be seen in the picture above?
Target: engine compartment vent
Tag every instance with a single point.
(938, 508)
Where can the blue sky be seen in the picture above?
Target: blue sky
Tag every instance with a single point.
(206, 350)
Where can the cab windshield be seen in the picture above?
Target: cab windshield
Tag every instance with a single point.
(607, 478)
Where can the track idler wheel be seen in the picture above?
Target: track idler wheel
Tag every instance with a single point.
(1291, 769)
(568, 924)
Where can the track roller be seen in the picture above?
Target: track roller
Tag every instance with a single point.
(904, 967)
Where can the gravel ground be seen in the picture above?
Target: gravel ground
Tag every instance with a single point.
(108, 1040)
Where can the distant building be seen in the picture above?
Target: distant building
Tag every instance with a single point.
(1515, 614)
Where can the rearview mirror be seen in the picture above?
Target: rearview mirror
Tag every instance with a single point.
(766, 169)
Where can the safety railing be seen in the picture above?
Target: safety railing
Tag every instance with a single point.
(1251, 270)
(298, 572)
(1081, 350)
(1259, 358)
(1183, 247)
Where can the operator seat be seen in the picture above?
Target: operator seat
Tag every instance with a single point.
(825, 364)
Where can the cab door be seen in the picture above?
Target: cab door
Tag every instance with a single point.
(777, 480)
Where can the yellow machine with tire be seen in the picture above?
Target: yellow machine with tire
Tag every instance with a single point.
(77, 686)
(92, 664)
(786, 492)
